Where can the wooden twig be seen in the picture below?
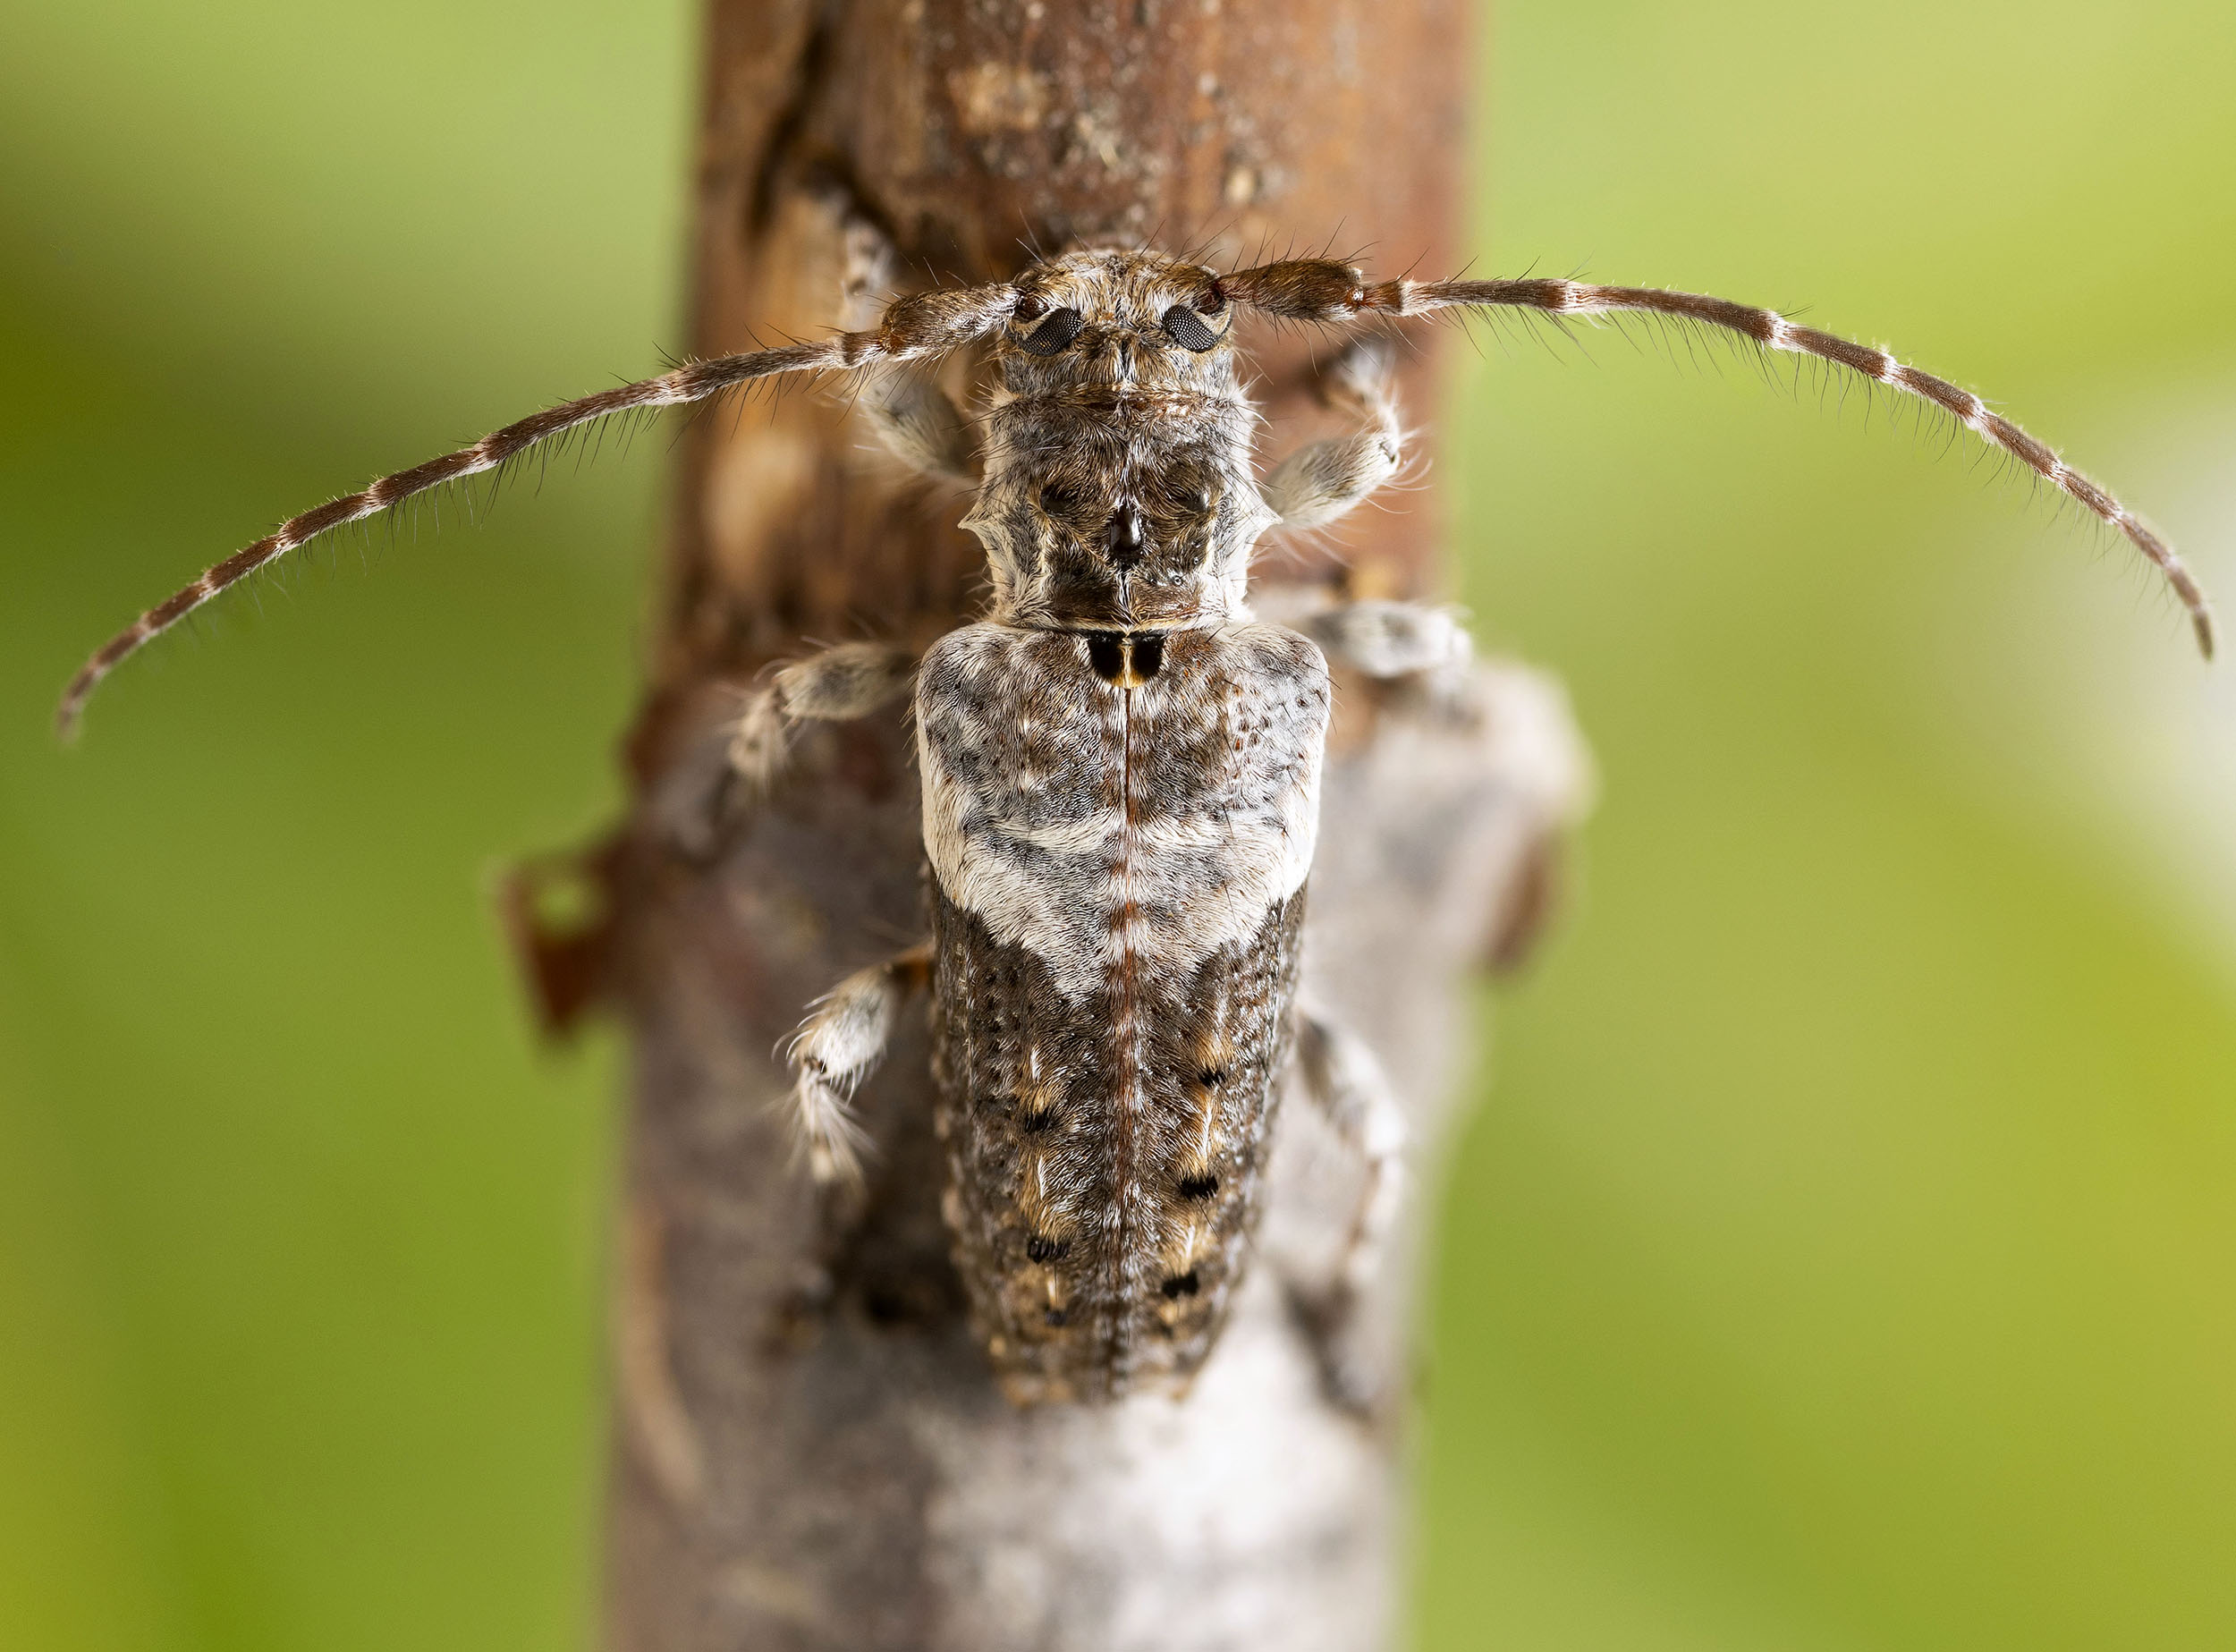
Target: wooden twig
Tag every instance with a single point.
(809, 1451)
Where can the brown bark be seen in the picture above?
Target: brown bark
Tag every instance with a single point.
(809, 1451)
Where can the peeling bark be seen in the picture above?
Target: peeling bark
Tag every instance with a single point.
(808, 1450)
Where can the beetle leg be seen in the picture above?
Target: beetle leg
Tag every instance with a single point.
(837, 685)
(1389, 639)
(1343, 1079)
(1317, 484)
(733, 764)
(1346, 1082)
(919, 425)
(836, 1048)
(915, 420)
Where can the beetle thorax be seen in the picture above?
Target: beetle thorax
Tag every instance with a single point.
(1118, 492)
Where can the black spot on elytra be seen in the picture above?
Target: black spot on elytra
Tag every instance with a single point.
(1148, 654)
(1198, 1187)
(1042, 1249)
(1106, 653)
(1182, 1284)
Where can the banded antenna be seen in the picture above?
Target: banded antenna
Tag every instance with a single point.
(1324, 290)
(911, 329)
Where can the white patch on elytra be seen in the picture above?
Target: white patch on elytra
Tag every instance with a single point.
(1059, 870)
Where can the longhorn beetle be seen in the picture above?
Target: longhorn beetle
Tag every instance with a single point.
(1119, 765)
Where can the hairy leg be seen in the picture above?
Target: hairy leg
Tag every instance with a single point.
(1389, 639)
(837, 685)
(733, 763)
(1345, 1082)
(919, 425)
(836, 1048)
(915, 420)
(1318, 484)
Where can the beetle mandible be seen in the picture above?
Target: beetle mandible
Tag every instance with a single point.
(1119, 765)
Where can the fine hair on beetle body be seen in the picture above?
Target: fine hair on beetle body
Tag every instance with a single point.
(1119, 765)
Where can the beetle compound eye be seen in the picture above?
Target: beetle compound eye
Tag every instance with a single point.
(1188, 329)
(1061, 327)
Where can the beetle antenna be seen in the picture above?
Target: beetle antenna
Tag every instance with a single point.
(1321, 290)
(911, 329)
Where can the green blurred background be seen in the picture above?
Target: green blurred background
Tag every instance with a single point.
(1843, 1258)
